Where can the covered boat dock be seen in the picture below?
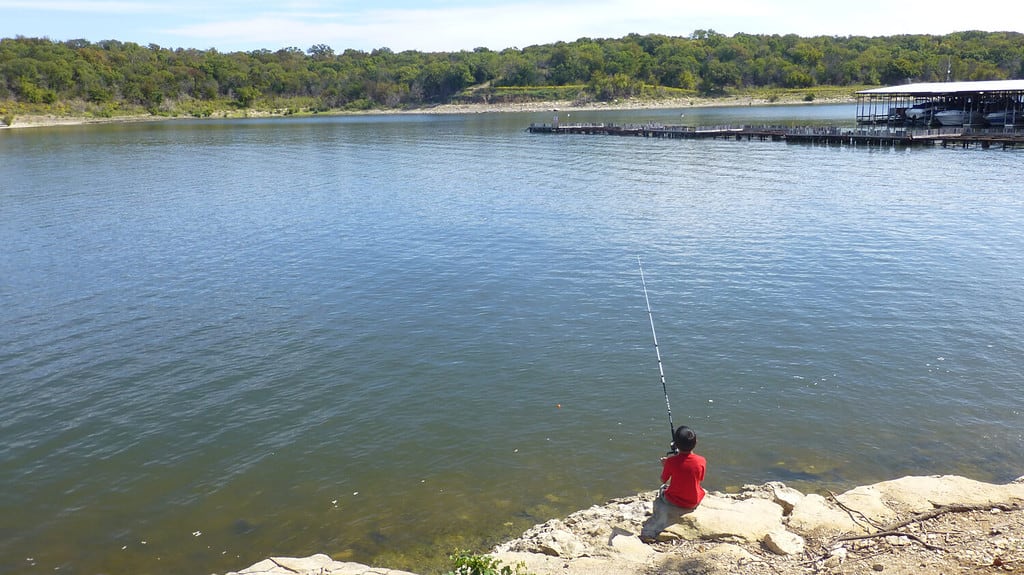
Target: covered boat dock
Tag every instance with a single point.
(997, 104)
(865, 136)
(949, 114)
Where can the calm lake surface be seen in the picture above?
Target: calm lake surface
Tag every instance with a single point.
(386, 337)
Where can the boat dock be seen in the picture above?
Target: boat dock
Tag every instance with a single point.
(961, 136)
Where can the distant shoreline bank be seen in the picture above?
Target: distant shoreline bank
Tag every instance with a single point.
(51, 120)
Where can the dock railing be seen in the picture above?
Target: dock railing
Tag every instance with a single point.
(872, 135)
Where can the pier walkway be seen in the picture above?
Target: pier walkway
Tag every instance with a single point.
(947, 137)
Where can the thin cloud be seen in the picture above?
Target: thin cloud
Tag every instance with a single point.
(454, 28)
(92, 7)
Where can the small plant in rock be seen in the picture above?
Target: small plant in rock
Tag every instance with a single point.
(468, 563)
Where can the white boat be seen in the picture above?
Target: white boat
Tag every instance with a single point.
(1005, 117)
(958, 117)
(922, 111)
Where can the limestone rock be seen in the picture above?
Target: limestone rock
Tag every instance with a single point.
(919, 494)
(786, 497)
(630, 547)
(729, 520)
(813, 515)
(867, 500)
(784, 543)
(836, 557)
(318, 564)
(559, 543)
(537, 564)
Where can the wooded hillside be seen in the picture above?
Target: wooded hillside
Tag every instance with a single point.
(115, 75)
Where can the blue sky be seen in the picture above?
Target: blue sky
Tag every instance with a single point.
(451, 25)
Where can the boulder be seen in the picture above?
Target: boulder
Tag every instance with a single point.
(725, 519)
(630, 547)
(784, 543)
(318, 564)
(813, 515)
(786, 497)
(868, 501)
(559, 543)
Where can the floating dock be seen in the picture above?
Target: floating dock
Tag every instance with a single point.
(963, 137)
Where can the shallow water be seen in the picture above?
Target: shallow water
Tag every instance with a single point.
(386, 337)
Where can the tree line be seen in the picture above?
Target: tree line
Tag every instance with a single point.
(124, 74)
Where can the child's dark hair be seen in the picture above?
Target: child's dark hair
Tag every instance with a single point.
(685, 439)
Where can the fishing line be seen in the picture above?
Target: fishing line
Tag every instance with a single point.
(657, 352)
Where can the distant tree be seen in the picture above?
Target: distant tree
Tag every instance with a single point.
(113, 73)
(246, 96)
(321, 52)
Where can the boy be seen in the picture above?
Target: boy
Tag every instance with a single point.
(681, 491)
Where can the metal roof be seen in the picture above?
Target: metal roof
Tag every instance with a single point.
(937, 88)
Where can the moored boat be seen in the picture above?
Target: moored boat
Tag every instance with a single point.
(958, 117)
(1005, 117)
(922, 111)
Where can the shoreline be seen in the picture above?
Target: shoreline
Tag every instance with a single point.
(50, 120)
(905, 526)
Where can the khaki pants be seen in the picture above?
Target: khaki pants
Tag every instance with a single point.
(665, 514)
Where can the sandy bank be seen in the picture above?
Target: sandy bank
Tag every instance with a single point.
(936, 524)
(634, 104)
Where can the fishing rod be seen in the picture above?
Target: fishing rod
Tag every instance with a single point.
(657, 352)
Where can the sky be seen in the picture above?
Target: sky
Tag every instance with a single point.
(453, 25)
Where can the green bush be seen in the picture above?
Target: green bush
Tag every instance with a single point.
(468, 563)
(201, 110)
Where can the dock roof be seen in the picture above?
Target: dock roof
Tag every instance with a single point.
(941, 88)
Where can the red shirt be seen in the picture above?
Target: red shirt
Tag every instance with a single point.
(684, 472)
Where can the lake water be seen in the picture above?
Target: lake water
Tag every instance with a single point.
(387, 337)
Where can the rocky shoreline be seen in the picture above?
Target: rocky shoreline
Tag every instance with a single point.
(932, 524)
(50, 120)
